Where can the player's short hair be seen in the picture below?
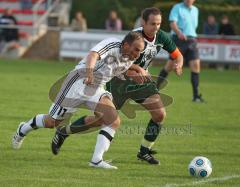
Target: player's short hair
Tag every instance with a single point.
(132, 36)
(148, 11)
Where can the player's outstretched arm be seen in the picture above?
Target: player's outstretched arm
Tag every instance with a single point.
(90, 64)
(178, 61)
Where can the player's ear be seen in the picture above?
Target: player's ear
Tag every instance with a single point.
(125, 45)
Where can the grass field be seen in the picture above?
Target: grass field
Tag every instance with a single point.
(191, 129)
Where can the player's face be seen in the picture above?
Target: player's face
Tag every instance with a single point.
(189, 3)
(152, 25)
(133, 51)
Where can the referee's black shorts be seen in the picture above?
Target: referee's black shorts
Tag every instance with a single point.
(188, 48)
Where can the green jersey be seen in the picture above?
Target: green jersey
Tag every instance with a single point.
(161, 41)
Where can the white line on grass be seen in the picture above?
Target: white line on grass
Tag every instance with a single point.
(204, 181)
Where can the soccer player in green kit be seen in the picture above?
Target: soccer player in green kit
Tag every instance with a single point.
(139, 88)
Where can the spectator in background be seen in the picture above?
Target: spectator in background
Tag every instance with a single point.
(79, 23)
(225, 27)
(210, 27)
(9, 36)
(113, 23)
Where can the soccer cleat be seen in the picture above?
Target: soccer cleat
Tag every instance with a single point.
(148, 158)
(18, 137)
(57, 142)
(152, 152)
(102, 164)
(198, 99)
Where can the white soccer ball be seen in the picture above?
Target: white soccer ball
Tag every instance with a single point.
(200, 167)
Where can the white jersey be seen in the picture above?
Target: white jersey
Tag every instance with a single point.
(111, 62)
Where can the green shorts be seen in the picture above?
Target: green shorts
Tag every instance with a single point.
(123, 90)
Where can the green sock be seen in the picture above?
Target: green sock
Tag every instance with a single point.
(75, 127)
(78, 125)
(151, 134)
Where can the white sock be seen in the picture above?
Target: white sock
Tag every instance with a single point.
(33, 124)
(103, 143)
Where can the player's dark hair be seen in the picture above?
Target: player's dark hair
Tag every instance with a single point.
(148, 11)
(132, 36)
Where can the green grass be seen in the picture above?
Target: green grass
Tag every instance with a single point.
(191, 129)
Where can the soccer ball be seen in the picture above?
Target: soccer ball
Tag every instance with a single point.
(200, 167)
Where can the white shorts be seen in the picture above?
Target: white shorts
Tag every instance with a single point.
(74, 94)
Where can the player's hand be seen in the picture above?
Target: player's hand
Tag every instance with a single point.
(181, 36)
(144, 74)
(138, 77)
(178, 69)
(135, 76)
(89, 78)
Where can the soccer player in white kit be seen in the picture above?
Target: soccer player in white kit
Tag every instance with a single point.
(85, 85)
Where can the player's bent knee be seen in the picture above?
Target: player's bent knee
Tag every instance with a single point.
(116, 123)
(110, 117)
(159, 115)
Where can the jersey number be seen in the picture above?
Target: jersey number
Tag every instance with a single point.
(62, 111)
